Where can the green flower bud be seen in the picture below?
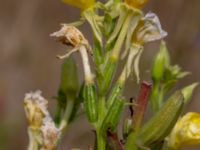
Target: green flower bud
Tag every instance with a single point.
(69, 84)
(160, 62)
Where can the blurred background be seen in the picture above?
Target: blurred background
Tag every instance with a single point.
(28, 62)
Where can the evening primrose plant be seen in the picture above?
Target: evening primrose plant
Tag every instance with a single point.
(120, 29)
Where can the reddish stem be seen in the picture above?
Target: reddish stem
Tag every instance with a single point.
(142, 102)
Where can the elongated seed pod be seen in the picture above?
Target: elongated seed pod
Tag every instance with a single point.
(90, 101)
(161, 124)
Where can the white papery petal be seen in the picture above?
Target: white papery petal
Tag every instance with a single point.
(34, 100)
(151, 30)
(50, 133)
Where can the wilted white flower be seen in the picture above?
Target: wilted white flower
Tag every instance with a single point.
(70, 35)
(50, 134)
(150, 29)
(35, 108)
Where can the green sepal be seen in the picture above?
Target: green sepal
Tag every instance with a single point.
(129, 41)
(109, 24)
(119, 24)
(90, 102)
(114, 95)
(90, 16)
(107, 72)
(97, 51)
(113, 116)
(188, 92)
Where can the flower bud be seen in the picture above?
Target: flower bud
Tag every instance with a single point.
(82, 4)
(161, 60)
(185, 132)
(136, 3)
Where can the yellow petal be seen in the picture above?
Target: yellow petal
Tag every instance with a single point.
(82, 4)
(186, 131)
(136, 3)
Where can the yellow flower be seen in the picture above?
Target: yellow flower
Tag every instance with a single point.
(186, 131)
(136, 3)
(82, 4)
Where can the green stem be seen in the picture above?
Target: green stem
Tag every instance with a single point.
(101, 142)
(68, 111)
(101, 110)
(67, 114)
